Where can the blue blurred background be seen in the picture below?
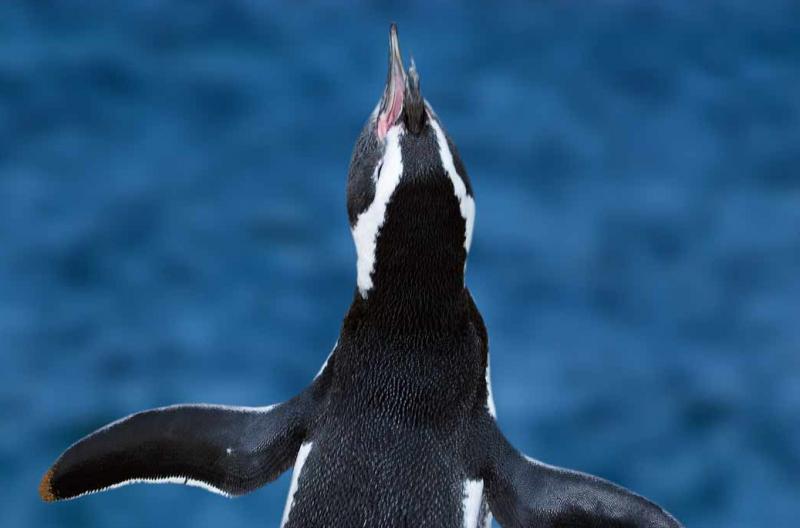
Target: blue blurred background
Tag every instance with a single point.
(172, 229)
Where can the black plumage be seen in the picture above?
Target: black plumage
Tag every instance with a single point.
(397, 429)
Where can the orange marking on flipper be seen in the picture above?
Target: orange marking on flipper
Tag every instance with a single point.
(45, 487)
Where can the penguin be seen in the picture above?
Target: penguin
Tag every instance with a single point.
(399, 427)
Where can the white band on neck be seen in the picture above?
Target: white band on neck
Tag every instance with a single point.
(369, 223)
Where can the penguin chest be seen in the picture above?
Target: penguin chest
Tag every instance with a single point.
(361, 480)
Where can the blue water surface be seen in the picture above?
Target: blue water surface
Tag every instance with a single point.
(172, 229)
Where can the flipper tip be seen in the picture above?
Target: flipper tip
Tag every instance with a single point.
(46, 488)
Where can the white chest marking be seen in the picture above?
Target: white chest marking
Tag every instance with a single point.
(369, 223)
(473, 495)
(465, 201)
(302, 455)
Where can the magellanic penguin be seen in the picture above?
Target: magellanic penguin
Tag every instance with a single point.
(398, 428)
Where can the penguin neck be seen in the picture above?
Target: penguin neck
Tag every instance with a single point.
(418, 270)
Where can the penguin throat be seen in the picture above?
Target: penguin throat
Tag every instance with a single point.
(420, 254)
(412, 240)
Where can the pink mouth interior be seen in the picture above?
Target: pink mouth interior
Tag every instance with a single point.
(388, 117)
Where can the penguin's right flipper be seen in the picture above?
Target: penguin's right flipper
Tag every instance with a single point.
(525, 493)
(228, 450)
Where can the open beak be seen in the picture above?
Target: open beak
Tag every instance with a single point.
(392, 102)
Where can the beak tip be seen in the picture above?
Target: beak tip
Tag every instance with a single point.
(395, 59)
(394, 43)
(391, 105)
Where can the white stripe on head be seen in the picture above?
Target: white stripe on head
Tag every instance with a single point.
(369, 223)
(465, 201)
(471, 505)
(302, 455)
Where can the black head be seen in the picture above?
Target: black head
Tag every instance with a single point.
(409, 199)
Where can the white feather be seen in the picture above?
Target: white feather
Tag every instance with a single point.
(489, 396)
(471, 506)
(324, 365)
(166, 480)
(465, 201)
(369, 222)
(302, 455)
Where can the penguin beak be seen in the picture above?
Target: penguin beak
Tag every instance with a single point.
(392, 101)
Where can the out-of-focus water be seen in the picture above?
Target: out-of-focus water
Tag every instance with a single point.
(172, 229)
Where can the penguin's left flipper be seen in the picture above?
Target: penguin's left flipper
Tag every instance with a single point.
(228, 450)
(525, 493)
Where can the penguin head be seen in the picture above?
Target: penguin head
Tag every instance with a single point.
(409, 199)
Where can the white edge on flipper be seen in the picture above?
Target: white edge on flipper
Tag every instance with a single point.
(369, 222)
(324, 365)
(556, 469)
(166, 480)
(234, 408)
(302, 455)
(471, 506)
